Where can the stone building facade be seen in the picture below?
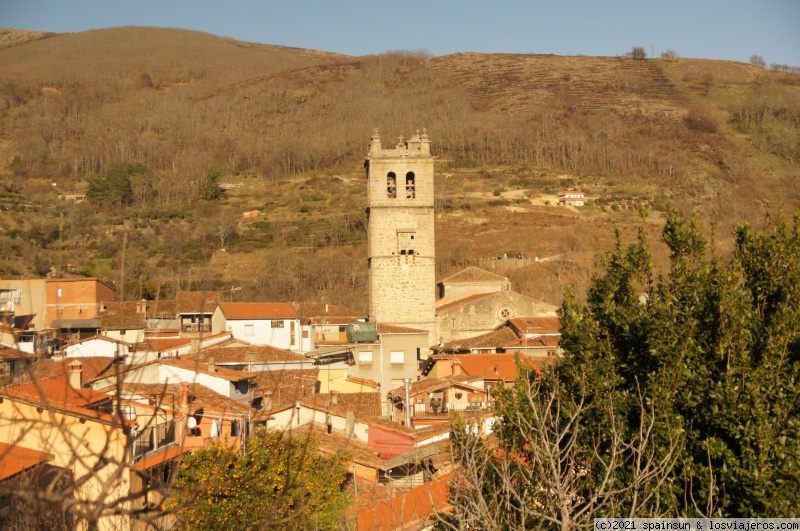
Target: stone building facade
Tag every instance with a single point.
(401, 253)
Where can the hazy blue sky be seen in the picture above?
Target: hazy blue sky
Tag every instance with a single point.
(715, 29)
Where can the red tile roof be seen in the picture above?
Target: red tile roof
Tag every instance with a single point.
(258, 310)
(537, 325)
(492, 366)
(491, 340)
(122, 315)
(363, 405)
(363, 382)
(195, 302)
(8, 353)
(337, 444)
(449, 304)
(248, 354)
(162, 309)
(411, 510)
(59, 396)
(15, 459)
(50, 369)
(394, 329)
(287, 385)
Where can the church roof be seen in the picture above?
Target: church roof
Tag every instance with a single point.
(473, 274)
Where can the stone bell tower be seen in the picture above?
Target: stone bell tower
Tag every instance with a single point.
(401, 253)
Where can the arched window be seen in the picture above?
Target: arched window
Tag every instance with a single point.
(410, 191)
(391, 185)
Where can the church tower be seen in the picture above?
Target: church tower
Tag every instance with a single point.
(401, 253)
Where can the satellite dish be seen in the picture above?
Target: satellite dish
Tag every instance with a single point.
(191, 423)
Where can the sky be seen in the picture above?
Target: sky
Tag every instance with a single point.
(711, 29)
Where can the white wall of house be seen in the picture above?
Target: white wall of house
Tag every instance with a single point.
(276, 333)
(96, 347)
(128, 336)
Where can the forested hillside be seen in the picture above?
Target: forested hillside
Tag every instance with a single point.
(173, 134)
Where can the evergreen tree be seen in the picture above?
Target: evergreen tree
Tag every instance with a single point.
(677, 395)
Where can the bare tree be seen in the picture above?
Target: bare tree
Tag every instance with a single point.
(637, 52)
(757, 60)
(545, 475)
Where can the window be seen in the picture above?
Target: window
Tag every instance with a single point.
(406, 241)
(365, 357)
(277, 324)
(249, 330)
(59, 293)
(397, 357)
(391, 185)
(410, 188)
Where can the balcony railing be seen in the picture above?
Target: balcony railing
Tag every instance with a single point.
(197, 328)
(447, 410)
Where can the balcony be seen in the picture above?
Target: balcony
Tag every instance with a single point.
(448, 410)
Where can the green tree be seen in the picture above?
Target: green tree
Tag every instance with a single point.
(274, 484)
(114, 186)
(678, 393)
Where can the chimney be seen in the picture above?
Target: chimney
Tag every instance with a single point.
(75, 378)
(334, 397)
(350, 423)
(184, 387)
(195, 345)
(267, 400)
(212, 367)
(326, 307)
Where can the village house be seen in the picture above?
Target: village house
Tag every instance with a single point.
(194, 309)
(82, 431)
(59, 302)
(124, 321)
(571, 198)
(259, 323)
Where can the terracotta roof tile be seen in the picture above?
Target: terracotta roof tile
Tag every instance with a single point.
(363, 382)
(200, 397)
(58, 395)
(287, 385)
(258, 310)
(338, 444)
(15, 459)
(197, 301)
(248, 354)
(411, 510)
(537, 325)
(122, 315)
(444, 305)
(394, 329)
(490, 340)
(50, 369)
(363, 405)
(492, 366)
(162, 309)
(9, 353)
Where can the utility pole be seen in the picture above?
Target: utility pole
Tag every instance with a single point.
(122, 268)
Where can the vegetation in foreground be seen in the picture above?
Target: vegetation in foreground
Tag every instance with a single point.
(679, 394)
(276, 483)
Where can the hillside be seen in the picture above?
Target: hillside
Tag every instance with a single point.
(174, 134)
